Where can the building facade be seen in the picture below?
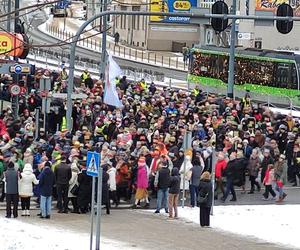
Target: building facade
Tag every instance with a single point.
(154, 33)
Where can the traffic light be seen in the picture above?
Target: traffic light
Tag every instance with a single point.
(284, 26)
(219, 24)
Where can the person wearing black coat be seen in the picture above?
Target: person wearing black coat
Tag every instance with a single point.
(11, 190)
(230, 174)
(105, 189)
(84, 191)
(63, 175)
(174, 190)
(205, 198)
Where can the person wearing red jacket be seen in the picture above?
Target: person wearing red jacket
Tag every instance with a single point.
(219, 169)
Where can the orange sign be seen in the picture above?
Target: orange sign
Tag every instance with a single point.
(269, 5)
(11, 44)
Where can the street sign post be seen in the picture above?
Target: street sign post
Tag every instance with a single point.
(15, 89)
(187, 142)
(93, 169)
(92, 163)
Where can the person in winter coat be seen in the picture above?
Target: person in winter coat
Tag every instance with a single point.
(253, 168)
(112, 184)
(296, 164)
(205, 198)
(11, 190)
(26, 188)
(63, 175)
(268, 181)
(161, 182)
(219, 172)
(265, 162)
(174, 190)
(46, 182)
(105, 187)
(84, 190)
(28, 157)
(195, 179)
(230, 175)
(141, 183)
(72, 183)
(280, 174)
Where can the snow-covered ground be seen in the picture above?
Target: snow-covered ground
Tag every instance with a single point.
(277, 224)
(18, 235)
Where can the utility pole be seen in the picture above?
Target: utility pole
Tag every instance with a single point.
(15, 99)
(103, 51)
(231, 72)
(9, 16)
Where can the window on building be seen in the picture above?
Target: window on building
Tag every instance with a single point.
(133, 22)
(123, 8)
(138, 22)
(121, 21)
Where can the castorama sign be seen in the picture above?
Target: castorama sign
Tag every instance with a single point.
(171, 6)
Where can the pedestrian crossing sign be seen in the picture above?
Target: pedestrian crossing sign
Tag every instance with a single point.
(92, 163)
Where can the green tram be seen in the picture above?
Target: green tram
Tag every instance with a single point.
(269, 75)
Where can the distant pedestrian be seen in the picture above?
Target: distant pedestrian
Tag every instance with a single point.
(205, 198)
(117, 38)
(74, 187)
(11, 190)
(46, 182)
(63, 175)
(197, 169)
(26, 183)
(174, 190)
(280, 174)
(268, 182)
(162, 182)
(142, 183)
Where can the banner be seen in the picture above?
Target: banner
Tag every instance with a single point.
(171, 6)
(112, 71)
(271, 5)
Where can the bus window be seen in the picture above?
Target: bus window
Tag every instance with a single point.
(282, 75)
(293, 83)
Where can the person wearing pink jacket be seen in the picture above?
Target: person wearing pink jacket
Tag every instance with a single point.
(268, 181)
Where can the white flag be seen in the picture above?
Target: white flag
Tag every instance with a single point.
(111, 72)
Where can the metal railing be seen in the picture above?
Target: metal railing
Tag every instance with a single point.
(149, 57)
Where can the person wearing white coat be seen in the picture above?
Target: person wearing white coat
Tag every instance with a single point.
(74, 181)
(186, 173)
(27, 178)
(112, 184)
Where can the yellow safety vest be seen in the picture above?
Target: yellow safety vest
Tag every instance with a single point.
(196, 92)
(64, 124)
(85, 76)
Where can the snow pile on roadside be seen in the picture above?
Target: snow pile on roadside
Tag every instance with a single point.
(271, 223)
(16, 235)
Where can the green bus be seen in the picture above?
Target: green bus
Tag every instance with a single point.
(267, 74)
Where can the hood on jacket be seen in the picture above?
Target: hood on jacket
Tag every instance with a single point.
(27, 168)
(175, 171)
(47, 170)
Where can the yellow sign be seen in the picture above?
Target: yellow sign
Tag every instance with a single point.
(158, 6)
(269, 5)
(6, 42)
(181, 5)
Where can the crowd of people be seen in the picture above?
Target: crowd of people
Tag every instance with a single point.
(142, 149)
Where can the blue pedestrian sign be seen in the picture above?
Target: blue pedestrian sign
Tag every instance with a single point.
(92, 163)
(18, 69)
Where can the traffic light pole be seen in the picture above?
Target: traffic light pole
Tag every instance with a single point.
(232, 54)
(103, 47)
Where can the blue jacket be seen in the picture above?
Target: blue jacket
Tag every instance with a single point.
(46, 182)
